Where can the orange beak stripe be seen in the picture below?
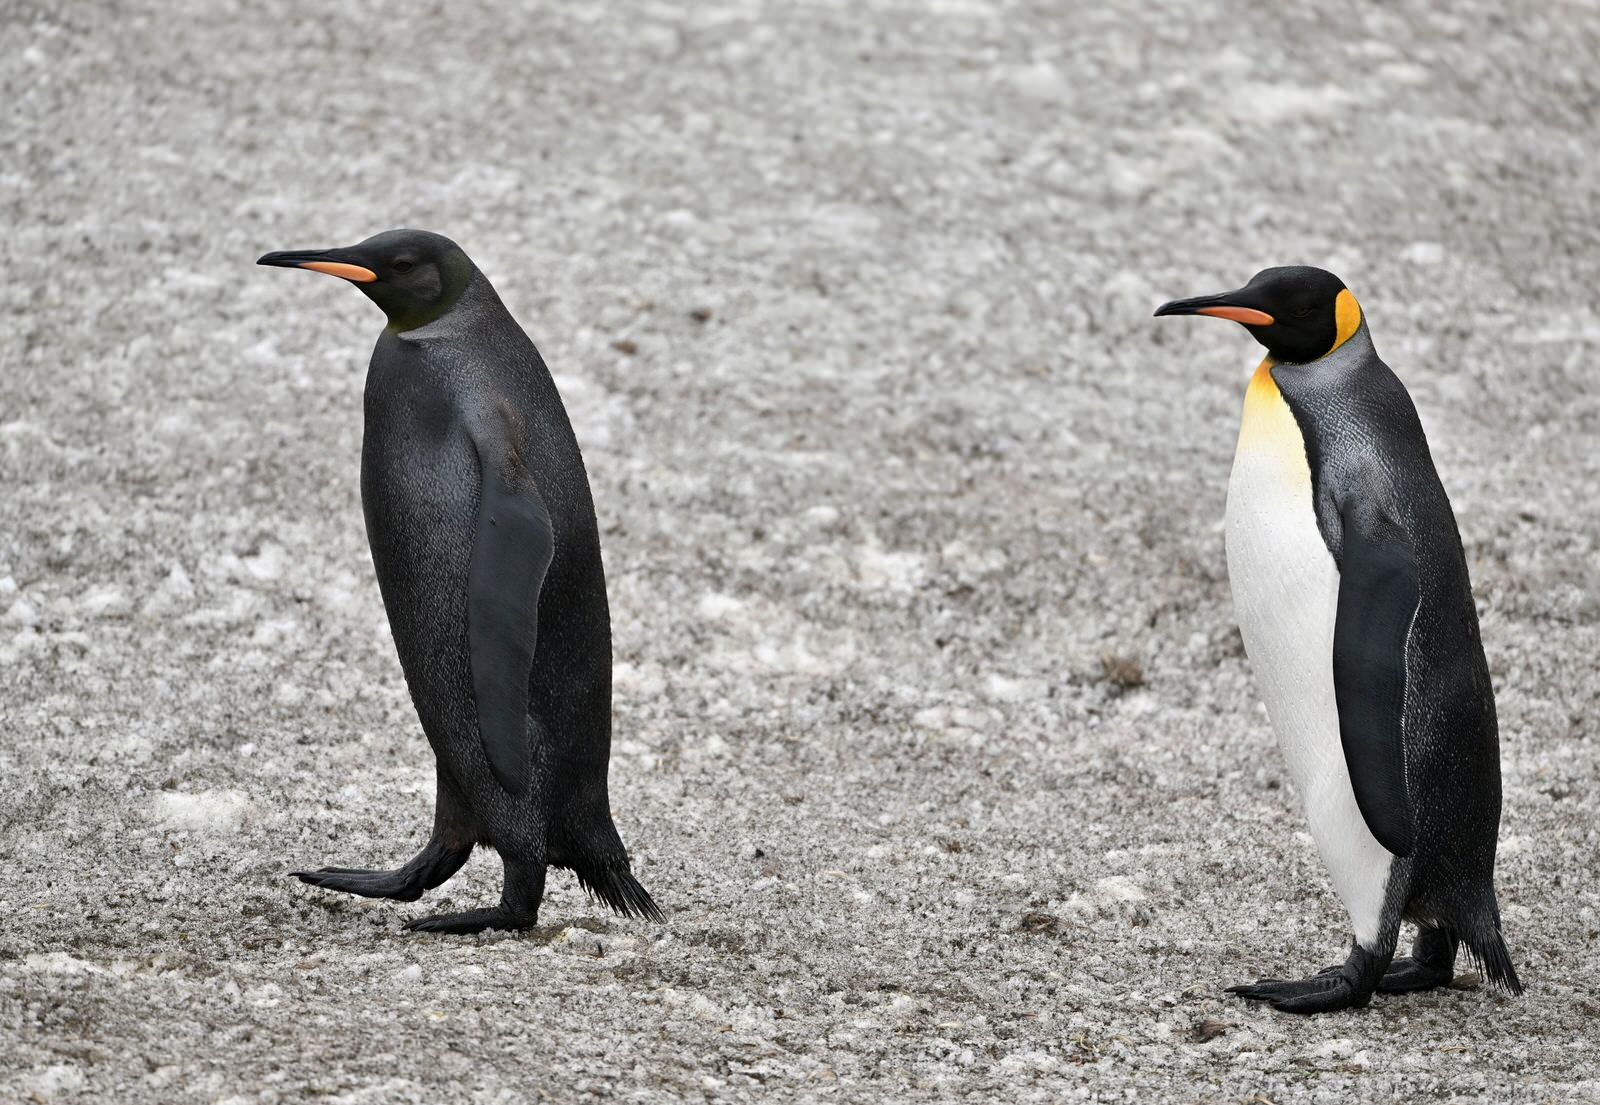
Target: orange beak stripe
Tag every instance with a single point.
(342, 270)
(1238, 314)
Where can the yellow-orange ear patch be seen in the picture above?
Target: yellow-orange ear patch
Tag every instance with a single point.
(1346, 318)
(342, 270)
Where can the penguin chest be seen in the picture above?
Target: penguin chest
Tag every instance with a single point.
(1285, 584)
(1285, 593)
(419, 493)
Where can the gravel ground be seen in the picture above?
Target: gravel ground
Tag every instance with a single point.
(934, 736)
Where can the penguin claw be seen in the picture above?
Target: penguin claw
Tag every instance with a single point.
(471, 921)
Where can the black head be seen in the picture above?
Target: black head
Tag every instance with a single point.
(414, 276)
(1298, 313)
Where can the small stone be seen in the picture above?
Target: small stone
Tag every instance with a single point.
(1123, 672)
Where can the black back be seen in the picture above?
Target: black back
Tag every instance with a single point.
(425, 390)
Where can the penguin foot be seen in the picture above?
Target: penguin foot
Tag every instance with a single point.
(473, 920)
(1407, 975)
(1431, 964)
(1321, 993)
(1347, 986)
(432, 866)
(401, 885)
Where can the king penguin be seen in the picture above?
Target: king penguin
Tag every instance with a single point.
(483, 536)
(1351, 590)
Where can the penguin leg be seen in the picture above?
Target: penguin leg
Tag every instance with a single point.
(1432, 963)
(518, 908)
(1349, 986)
(440, 858)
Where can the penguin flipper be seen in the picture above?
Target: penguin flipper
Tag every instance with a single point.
(511, 552)
(1379, 592)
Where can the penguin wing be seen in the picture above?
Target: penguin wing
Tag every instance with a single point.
(511, 552)
(1378, 597)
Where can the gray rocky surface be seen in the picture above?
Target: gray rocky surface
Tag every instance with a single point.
(934, 737)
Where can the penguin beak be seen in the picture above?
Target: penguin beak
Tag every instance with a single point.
(1228, 305)
(330, 261)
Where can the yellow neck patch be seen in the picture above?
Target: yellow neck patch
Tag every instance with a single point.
(1263, 388)
(1269, 433)
(1346, 317)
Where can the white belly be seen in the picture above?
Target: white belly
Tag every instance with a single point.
(1285, 595)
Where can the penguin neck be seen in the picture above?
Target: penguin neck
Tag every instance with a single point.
(472, 292)
(1264, 395)
(459, 275)
(1354, 350)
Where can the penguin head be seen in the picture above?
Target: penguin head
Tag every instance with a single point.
(413, 275)
(1299, 313)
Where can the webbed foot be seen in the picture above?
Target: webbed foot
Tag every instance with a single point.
(1321, 993)
(369, 884)
(432, 866)
(1348, 986)
(1432, 963)
(473, 920)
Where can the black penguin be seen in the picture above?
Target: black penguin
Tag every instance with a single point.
(483, 535)
(1351, 590)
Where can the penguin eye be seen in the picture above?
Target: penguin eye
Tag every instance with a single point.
(1302, 311)
(402, 266)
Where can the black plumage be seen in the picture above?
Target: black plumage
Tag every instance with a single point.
(487, 553)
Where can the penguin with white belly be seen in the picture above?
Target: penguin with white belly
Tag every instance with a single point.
(1351, 591)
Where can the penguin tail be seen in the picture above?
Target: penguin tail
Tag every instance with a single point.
(584, 839)
(1488, 947)
(615, 886)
